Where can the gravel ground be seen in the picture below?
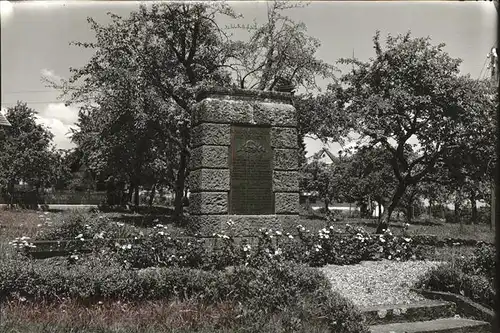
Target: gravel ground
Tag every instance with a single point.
(378, 282)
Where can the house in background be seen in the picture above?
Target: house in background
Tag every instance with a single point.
(3, 120)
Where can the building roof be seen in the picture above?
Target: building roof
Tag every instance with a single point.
(4, 121)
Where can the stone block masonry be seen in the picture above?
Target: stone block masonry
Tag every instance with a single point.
(244, 162)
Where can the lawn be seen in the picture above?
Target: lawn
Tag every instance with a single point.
(479, 232)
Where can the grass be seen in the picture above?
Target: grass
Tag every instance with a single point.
(174, 316)
(479, 232)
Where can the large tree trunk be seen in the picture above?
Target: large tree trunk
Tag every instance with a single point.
(130, 193)
(363, 210)
(408, 213)
(327, 210)
(492, 208)
(136, 196)
(152, 195)
(456, 211)
(473, 205)
(386, 218)
(179, 185)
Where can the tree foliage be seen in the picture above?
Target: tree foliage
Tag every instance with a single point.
(279, 52)
(412, 89)
(138, 90)
(26, 151)
(364, 176)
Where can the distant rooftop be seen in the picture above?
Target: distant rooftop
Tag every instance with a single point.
(4, 121)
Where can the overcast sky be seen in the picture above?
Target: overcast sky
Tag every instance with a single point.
(35, 40)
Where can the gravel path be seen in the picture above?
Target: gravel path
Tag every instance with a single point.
(378, 282)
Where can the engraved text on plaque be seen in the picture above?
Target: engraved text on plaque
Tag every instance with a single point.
(251, 171)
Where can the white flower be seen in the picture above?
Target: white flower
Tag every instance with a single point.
(46, 213)
(120, 224)
(99, 235)
(79, 236)
(290, 236)
(277, 252)
(278, 233)
(396, 312)
(382, 313)
(39, 225)
(161, 233)
(246, 248)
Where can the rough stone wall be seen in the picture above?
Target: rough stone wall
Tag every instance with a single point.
(209, 180)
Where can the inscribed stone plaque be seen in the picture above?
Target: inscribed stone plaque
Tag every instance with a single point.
(251, 171)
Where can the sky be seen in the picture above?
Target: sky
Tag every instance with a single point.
(35, 39)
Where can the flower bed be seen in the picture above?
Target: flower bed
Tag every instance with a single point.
(156, 247)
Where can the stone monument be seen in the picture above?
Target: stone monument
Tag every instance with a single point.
(244, 162)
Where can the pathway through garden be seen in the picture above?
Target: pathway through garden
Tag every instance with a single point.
(382, 282)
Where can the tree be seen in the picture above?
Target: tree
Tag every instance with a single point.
(280, 55)
(364, 176)
(472, 160)
(279, 52)
(139, 88)
(26, 153)
(317, 177)
(410, 90)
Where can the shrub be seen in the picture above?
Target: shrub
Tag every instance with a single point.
(285, 289)
(155, 247)
(80, 225)
(450, 278)
(482, 262)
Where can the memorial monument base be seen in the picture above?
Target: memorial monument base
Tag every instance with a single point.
(242, 225)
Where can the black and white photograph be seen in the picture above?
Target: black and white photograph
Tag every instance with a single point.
(249, 166)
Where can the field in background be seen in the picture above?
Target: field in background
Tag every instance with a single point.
(28, 223)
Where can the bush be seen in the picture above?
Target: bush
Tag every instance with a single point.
(298, 294)
(155, 247)
(482, 262)
(472, 276)
(80, 225)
